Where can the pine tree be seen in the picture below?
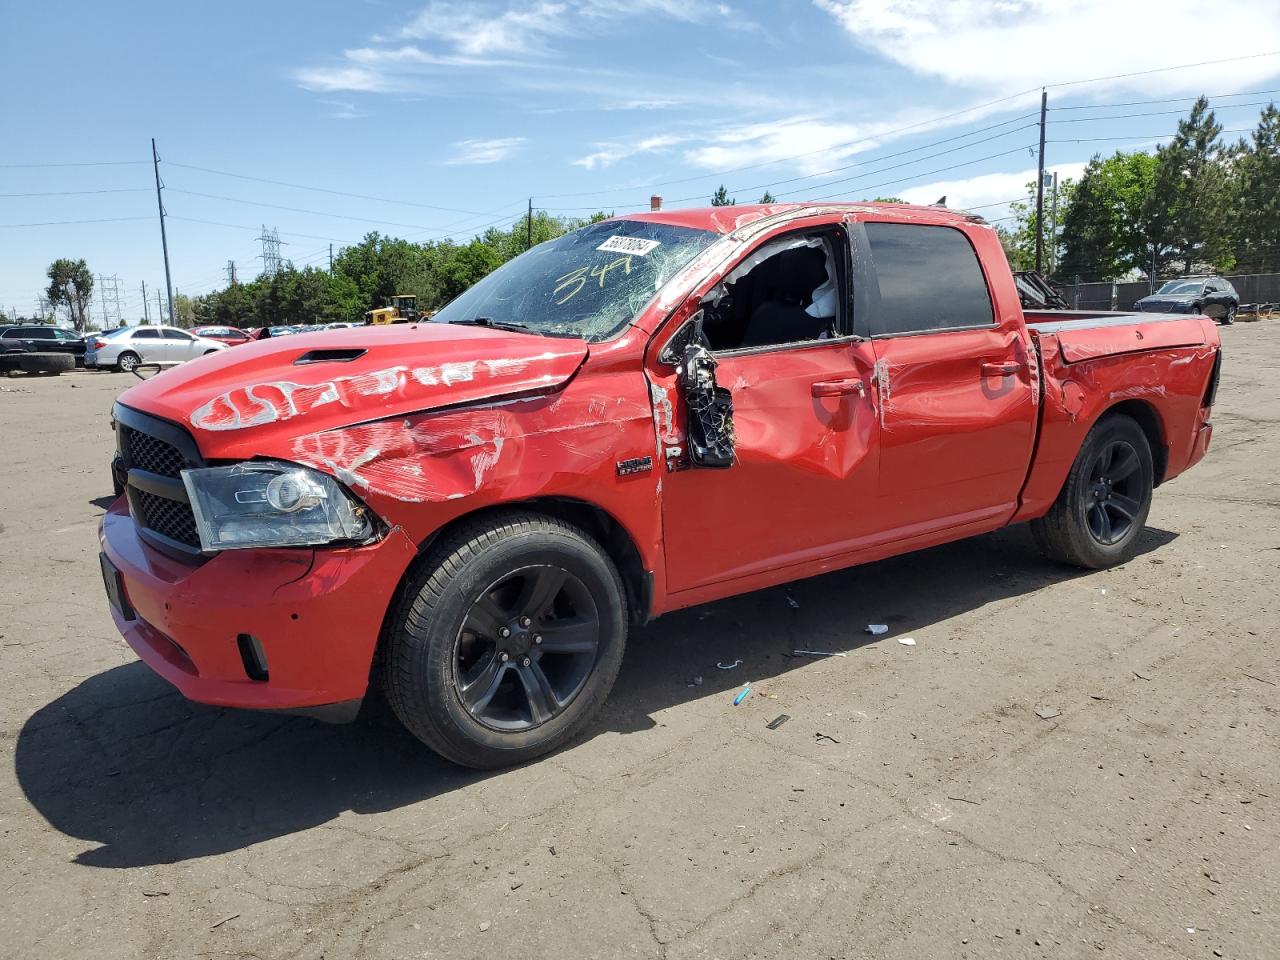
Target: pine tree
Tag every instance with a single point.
(721, 198)
(1188, 209)
(1258, 206)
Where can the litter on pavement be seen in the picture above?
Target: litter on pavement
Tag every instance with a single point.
(777, 721)
(742, 695)
(729, 666)
(877, 629)
(907, 641)
(817, 653)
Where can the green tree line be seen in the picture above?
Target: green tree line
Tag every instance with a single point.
(1195, 204)
(366, 274)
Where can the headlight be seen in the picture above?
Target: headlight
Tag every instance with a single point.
(272, 504)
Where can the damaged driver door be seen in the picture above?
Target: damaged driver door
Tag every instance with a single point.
(764, 417)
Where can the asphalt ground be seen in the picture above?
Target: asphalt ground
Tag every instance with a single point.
(1063, 764)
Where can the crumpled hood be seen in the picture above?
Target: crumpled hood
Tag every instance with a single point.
(236, 400)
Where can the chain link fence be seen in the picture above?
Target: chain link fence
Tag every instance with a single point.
(1122, 295)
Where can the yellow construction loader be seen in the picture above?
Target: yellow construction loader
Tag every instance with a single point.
(402, 308)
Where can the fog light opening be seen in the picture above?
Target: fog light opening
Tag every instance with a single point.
(253, 657)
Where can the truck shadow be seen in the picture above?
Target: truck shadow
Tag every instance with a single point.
(124, 762)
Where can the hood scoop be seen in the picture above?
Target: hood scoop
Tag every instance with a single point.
(331, 355)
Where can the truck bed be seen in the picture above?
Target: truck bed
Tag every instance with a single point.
(1088, 334)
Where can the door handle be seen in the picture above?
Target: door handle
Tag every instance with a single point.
(839, 388)
(1004, 368)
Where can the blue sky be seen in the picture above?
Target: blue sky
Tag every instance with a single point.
(460, 111)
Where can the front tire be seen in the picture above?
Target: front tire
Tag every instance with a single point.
(127, 362)
(507, 640)
(1100, 514)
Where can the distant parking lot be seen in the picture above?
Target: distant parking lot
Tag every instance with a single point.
(1063, 764)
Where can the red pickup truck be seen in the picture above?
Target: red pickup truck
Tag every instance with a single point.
(651, 412)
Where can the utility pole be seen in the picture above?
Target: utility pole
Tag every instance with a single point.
(159, 308)
(1044, 107)
(331, 258)
(164, 240)
(1053, 228)
(146, 317)
(528, 235)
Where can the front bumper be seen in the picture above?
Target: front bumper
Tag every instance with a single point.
(315, 616)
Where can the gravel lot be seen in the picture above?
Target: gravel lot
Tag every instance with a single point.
(914, 806)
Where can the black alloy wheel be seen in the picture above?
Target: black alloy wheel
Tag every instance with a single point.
(526, 648)
(1098, 517)
(1113, 494)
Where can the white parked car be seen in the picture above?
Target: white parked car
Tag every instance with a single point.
(128, 347)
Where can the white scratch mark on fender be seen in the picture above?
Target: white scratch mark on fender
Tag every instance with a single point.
(880, 377)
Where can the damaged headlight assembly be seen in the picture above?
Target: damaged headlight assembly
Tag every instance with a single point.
(270, 503)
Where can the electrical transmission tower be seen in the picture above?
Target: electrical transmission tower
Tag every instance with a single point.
(231, 272)
(271, 260)
(109, 301)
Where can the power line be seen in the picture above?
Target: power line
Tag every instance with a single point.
(880, 170)
(76, 193)
(1154, 113)
(1143, 103)
(241, 226)
(336, 193)
(58, 223)
(872, 160)
(314, 213)
(916, 176)
(81, 163)
(1139, 138)
(1181, 66)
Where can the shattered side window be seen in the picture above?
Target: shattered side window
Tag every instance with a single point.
(589, 283)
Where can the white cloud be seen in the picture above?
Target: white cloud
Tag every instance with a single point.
(333, 79)
(990, 192)
(472, 152)
(343, 110)
(1004, 45)
(523, 33)
(477, 31)
(816, 143)
(607, 154)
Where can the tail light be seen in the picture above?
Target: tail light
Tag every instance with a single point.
(99, 344)
(1211, 392)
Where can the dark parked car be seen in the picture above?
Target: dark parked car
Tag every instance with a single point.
(1212, 296)
(39, 338)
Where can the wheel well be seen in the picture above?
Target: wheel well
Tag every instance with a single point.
(1146, 417)
(606, 531)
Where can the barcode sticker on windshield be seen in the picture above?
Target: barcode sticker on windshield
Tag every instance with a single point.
(636, 246)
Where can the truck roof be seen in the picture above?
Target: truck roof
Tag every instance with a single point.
(728, 219)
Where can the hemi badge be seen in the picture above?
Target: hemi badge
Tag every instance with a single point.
(635, 465)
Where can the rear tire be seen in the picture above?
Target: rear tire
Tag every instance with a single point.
(1099, 516)
(507, 640)
(1229, 317)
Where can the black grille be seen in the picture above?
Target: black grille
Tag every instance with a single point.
(151, 455)
(169, 518)
(154, 455)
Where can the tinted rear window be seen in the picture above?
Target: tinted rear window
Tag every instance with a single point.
(930, 279)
